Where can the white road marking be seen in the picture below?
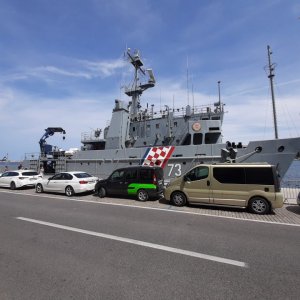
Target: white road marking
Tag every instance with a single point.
(171, 209)
(140, 243)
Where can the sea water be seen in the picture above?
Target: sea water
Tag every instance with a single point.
(11, 165)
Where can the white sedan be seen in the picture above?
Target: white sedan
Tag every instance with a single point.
(69, 183)
(19, 178)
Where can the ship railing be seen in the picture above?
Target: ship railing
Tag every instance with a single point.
(290, 189)
(198, 109)
(89, 136)
(32, 156)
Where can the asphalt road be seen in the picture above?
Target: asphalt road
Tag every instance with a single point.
(54, 248)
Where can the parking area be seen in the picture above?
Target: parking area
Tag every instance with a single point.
(289, 214)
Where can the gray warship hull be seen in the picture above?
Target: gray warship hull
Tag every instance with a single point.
(280, 152)
(101, 163)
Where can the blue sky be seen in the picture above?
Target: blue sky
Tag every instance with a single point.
(62, 64)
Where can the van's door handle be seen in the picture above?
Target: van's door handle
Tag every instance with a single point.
(208, 183)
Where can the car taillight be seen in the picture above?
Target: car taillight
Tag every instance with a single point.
(154, 179)
(83, 182)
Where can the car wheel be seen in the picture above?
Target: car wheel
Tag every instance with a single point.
(69, 191)
(142, 195)
(12, 186)
(178, 199)
(39, 188)
(259, 206)
(102, 192)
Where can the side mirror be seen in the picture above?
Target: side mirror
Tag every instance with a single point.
(50, 178)
(187, 178)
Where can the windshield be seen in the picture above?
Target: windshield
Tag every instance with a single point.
(82, 175)
(30, 173)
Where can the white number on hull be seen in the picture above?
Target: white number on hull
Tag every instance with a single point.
(176, 168)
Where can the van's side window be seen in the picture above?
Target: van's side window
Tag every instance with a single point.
(257, 175)
(197, 173)
(146, 174)
(117, 175)
(131, 174)
(229, 175)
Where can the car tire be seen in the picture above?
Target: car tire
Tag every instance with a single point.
(39, 188)
(259, 206)
(12, 185)
(69, 191)
(101, 192)
(178, 199)
(142, 195)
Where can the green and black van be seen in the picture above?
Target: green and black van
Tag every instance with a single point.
(143, 182)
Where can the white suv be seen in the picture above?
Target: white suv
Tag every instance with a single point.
(19, 178)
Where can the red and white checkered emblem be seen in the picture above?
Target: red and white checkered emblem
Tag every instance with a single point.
(157, 156)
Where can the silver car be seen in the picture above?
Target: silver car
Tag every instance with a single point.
(298, 199)
(69, 183)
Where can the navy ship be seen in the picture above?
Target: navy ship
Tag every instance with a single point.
(174, 139)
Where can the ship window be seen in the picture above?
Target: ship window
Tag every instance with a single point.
(157, 125)
(148, 126)
(197, 139)
(211, 137)
(175, 124)
(187, 140)
(133, 128)
(215, 118)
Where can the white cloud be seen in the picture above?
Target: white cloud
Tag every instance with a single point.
(103, 68)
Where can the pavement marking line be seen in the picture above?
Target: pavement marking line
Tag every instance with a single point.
(141, 243)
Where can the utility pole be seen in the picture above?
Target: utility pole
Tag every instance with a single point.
(271, 75)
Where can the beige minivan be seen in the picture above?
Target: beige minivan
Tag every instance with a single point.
(253, 186)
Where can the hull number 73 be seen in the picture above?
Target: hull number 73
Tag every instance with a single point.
(175, 170)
